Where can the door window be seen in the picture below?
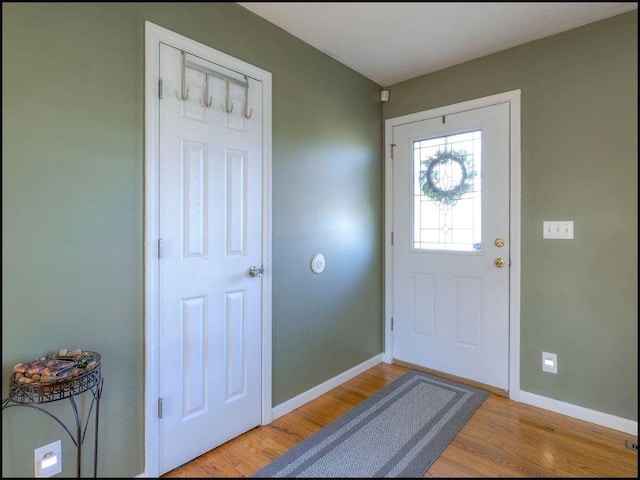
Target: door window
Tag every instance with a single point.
(446, 200)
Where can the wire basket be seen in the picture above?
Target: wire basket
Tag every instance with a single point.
(67, 386)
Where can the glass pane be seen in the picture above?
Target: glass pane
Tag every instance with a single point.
(446, 193)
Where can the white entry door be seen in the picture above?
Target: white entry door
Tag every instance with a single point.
(451, 244)
(210, 224)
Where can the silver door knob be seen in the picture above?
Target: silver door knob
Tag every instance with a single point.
(256, 271)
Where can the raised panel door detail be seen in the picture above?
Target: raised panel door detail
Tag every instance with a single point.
(236, 190)
(235, 316)
(235, 120)
(423, 303)
(469, 311)
(194, 187)
(194, 107)
(194, 370)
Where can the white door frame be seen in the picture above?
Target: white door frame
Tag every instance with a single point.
(514, 220)
(155, 34)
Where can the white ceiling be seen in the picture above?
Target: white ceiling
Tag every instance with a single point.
(389, 42)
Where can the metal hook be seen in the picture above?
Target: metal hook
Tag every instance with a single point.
(184, 96)
(246, 99)
(226, 106)
(209, 102)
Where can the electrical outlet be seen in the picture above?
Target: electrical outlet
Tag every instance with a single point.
(632, 445)
(550, 362)
(47, 460)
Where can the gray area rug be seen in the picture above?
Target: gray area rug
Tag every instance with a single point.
(397, 432)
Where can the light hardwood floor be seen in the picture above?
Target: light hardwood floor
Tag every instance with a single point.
(502, 439)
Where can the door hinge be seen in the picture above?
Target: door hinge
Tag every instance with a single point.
(159, 407)
(391, 323)
(160, 88)
(391, 238)
(392, 149)
(159, 248)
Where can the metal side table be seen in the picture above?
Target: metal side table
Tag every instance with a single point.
(34, 394)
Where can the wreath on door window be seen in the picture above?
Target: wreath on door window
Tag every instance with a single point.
(446, 176)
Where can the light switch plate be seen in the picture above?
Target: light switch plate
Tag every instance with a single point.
(560, 230)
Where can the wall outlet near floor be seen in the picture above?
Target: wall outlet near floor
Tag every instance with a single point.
(47, 460)
(632, 445)
(550, 362)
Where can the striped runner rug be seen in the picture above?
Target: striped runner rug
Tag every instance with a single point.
(397, 432)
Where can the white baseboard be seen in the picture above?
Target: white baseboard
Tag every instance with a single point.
(563, 408)
(315, 392)
(581, 413)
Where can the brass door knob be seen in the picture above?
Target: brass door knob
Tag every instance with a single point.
(498, 262)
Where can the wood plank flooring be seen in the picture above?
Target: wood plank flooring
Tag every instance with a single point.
(502, 439)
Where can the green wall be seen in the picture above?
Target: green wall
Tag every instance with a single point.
(73, 207)
(579, 162)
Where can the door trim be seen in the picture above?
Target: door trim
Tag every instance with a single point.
(154, 35)
(513, 97)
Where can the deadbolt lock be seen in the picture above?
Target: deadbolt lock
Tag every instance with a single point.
(499, 242)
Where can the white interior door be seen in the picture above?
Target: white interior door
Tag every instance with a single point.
(210, 224)
(451, 244)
